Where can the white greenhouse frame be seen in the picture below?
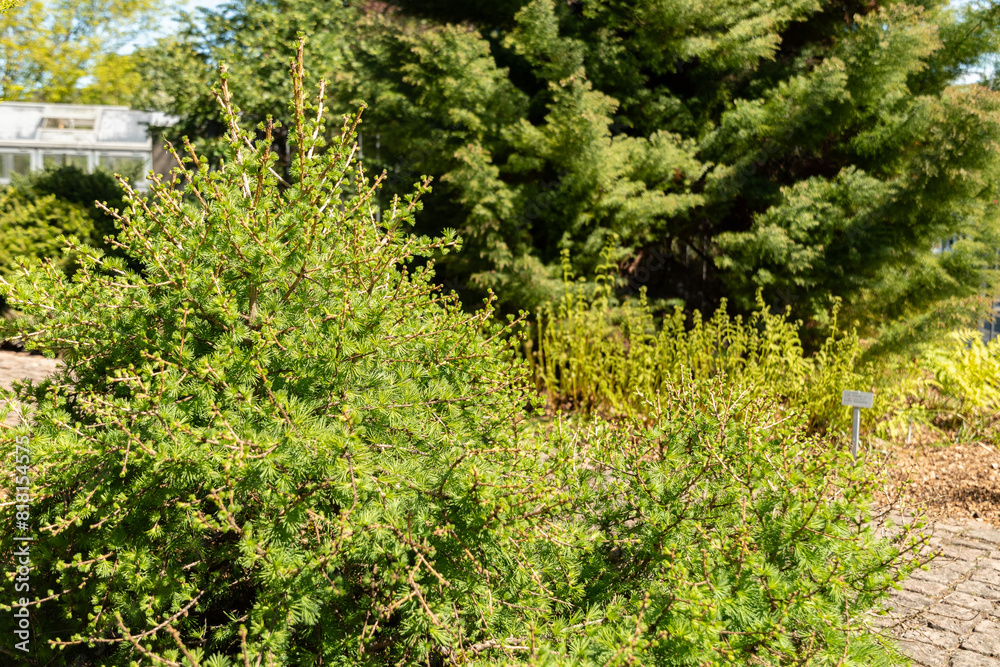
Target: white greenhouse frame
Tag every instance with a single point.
(90, 133)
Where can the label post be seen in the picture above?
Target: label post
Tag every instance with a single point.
(856, 400)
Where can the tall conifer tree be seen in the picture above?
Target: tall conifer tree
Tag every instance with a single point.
(809, 149)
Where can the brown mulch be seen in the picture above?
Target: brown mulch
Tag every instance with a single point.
(952, 481)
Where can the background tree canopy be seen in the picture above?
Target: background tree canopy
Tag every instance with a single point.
(809, 149)
(67, 50)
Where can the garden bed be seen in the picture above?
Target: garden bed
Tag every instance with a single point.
(954, 481)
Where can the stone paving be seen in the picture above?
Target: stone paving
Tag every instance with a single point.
(949, 614)
(19, 365)
(23, 366)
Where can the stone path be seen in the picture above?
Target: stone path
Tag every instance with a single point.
(19, 366)
(949, 615)
(22, 366)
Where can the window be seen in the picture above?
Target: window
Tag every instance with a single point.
(67, 123)
(14, 163)
(52, 160)
(129, 166)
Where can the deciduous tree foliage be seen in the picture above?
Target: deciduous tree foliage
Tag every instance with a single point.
(279, 444)
(66, 50)
(812, 149)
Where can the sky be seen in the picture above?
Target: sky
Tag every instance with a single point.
(191, 5)
(204, 3)
(168, 24)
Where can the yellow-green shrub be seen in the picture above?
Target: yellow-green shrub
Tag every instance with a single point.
(967, 369)
(959, 383)
(597, 355)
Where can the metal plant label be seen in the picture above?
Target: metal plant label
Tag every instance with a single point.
(856, 400)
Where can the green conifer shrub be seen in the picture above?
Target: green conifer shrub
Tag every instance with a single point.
(34, 227)
(74, 185)
(275, 423)
(725, 535)
(38, 210)
(278, 445)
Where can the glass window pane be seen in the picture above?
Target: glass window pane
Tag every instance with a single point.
(14, 163)
(130, 166)
(68, 123)
(21, 163)
(52, 160)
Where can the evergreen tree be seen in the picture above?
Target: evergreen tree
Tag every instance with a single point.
(810, 149)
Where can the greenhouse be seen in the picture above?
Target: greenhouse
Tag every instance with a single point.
(36, 136)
